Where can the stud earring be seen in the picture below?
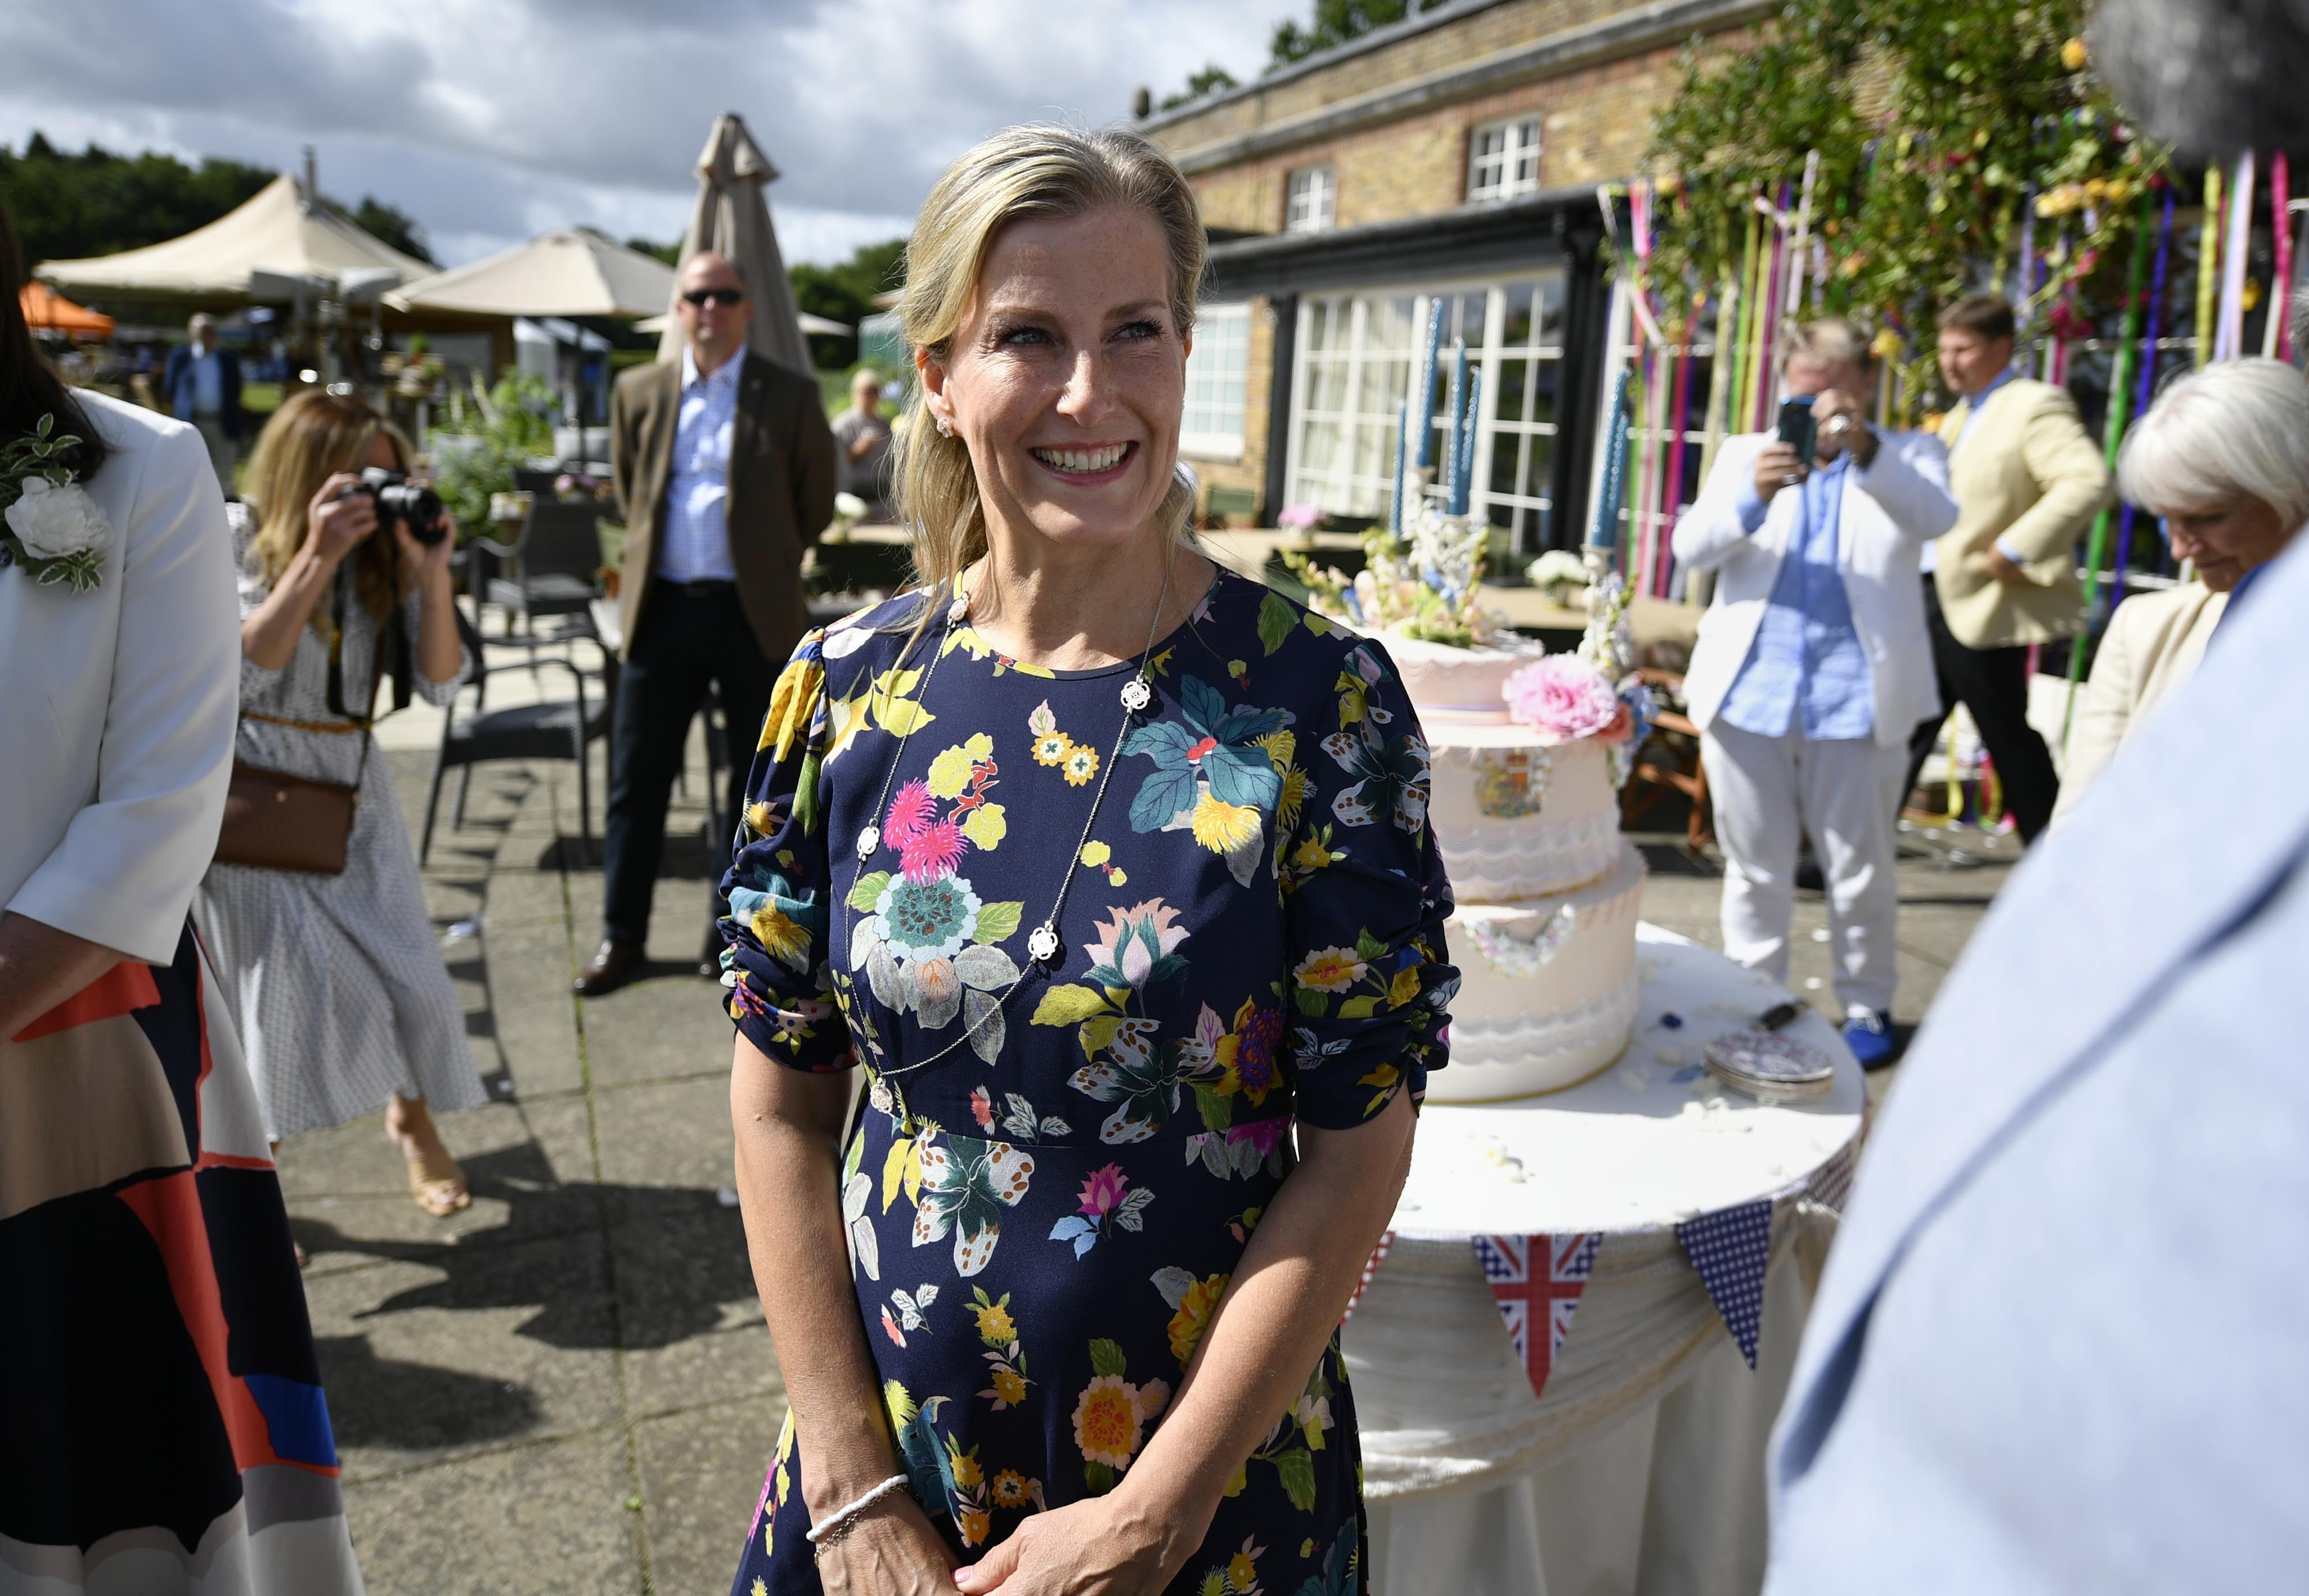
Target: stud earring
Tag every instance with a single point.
(946, 428)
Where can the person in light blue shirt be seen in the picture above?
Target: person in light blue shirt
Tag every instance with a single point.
(1812, 666)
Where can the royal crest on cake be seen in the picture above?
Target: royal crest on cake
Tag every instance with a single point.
(1528, 751)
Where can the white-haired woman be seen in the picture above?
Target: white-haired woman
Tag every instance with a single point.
(1113, 872)
(2223, 456)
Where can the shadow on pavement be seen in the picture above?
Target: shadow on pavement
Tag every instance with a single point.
(381, 1402)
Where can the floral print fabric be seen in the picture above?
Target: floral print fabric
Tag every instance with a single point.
(1057, 1169)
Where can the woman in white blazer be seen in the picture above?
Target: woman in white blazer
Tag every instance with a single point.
(166, 1430)
(1813, 664)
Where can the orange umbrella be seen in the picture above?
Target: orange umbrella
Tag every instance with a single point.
(49, 311)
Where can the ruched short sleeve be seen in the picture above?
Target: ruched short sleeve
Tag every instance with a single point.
(1365, 900)
(776, 975)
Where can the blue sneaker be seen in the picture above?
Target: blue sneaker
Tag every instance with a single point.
(1870, 1037)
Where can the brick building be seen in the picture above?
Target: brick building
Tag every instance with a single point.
(1455, 156)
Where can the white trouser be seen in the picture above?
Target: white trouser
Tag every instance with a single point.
(222, 450)
(1770, 791)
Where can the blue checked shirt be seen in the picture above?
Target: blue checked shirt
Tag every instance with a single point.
(696, 544)
(1806, 667)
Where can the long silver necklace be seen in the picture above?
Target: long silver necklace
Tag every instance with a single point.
(1042, 944)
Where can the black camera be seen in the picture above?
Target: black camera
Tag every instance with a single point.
(398, 499)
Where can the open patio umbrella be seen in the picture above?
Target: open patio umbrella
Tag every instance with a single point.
(732, 219)
(47, 311)
(567, 273)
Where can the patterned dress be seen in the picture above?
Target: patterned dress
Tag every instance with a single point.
(1047, 1191)
(336, 980)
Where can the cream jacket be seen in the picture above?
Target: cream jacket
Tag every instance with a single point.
(2152, 646)
(2032, 477)
(118, 705)
(1885, 516)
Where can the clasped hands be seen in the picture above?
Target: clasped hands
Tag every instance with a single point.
(1104, 1545)
(1779, 466)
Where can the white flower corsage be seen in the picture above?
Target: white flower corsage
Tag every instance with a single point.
(53, 529)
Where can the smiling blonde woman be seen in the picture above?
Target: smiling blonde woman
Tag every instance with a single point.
(1113, 872)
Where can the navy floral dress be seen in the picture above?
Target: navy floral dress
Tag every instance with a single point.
(1042, 1219)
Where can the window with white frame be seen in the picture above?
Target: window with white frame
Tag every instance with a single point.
(1311, 200)
(1503, 160)
(1211, 428)
(1353, 369)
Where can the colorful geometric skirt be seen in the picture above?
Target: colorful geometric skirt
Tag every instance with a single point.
(165, 1429)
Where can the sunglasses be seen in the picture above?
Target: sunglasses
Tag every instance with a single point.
(714, 296)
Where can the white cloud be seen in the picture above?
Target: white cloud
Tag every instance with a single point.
(488, 120)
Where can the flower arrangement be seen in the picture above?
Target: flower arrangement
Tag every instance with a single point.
(1563, 698)
(1423, 589)
(1559, 573)
(53, 529)
(1301, 518)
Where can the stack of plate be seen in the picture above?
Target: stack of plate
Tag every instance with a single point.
(1769, 1066)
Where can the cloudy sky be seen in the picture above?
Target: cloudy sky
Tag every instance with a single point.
(489, 120)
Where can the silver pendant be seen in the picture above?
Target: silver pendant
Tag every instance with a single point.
(1136, 694)
(1042, 947)
(868, 840)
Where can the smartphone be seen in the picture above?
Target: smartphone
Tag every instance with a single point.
(1797, 428)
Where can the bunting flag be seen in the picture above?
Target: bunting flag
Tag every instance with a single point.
(1830, 1185)
(1536, 1280)
(1386, 1240)
(1730, 1250)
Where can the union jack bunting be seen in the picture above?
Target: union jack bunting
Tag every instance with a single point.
(1536, 1280)
(1386, 1240)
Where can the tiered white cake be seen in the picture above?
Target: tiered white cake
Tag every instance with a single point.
(1548, 889)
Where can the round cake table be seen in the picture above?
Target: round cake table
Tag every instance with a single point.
(1654, 1240)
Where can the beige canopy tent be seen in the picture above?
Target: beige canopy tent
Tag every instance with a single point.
(567, 273)
(274, 248)
(732, 219)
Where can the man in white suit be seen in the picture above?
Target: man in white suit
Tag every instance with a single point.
(1813, 665)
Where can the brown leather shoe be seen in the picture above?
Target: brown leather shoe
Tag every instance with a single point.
(612, 965)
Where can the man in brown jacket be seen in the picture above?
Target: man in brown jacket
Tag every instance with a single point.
(726, 467)
(2027, 480)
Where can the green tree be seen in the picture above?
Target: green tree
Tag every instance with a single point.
(1335, 23)
(670, 253)
(1212, 79)
(1935, 122)
(387, 224)
(68, 204)
(845, 292)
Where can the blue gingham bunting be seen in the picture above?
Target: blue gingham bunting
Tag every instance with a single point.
(1729, 1249)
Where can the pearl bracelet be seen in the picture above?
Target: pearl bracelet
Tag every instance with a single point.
(838, 1522)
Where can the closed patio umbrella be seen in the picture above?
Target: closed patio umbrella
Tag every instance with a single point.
(732, 219)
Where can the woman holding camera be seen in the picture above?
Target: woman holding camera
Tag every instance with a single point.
(344, 1003)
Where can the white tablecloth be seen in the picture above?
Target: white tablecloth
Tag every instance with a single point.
(1641, 1470)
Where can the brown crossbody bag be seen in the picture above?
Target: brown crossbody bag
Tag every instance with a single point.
(276, 821)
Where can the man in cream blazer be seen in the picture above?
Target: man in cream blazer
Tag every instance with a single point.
(1812, 666)
(2027, 481)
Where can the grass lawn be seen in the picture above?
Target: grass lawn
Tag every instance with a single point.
(260, 398)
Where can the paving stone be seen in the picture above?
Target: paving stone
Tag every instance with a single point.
(666, 1138)
(687, 1310)
(702, 1477)
(410, 1346)
(551, 1519)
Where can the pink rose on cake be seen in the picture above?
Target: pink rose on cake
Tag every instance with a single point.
(1563, 698)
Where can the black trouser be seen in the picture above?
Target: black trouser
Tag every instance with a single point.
(1993, 684)
(687, 637)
